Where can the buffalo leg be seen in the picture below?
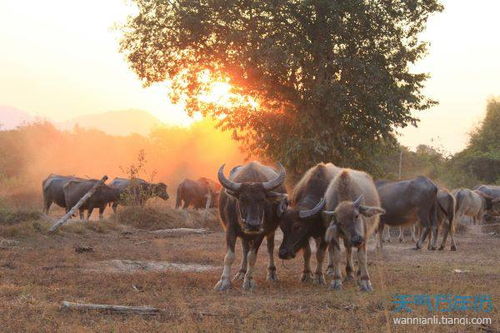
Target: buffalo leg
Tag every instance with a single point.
(225, 280)
(321, 246)
(386, 234)
(330, 270)
(380, 234)
(336, 283)
(101, 212)
(401, 234)
(89, 212)
(46, 206)
(364, 282)
(81, 211)
(248, 282)
(425, 231)
(271, 268)
(445, 237)
(114, 207)
(306, 273)
(349, 268)
(414, 233)
(243, 267)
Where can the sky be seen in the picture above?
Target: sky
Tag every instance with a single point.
(59, 59)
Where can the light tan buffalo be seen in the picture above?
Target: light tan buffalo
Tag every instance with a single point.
(471, 203)
(352, 209)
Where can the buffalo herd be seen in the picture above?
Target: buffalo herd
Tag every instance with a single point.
(331, 205)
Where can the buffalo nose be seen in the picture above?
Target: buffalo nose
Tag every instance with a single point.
(253, 227)
(356, 240)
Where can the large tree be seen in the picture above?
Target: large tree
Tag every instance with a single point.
(317, 80)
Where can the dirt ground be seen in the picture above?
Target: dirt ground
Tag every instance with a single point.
(121, 264)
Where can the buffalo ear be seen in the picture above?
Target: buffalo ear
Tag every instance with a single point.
(370, 211)
(282, 207)
(232, 193)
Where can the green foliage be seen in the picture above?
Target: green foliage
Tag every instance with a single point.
(331, 78)
(480, 161)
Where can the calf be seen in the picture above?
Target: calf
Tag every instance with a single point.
(74, 190)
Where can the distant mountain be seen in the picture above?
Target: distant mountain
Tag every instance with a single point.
(123, 122)
(11, 117)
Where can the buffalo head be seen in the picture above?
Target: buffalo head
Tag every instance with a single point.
(160, 190)
(252, 199)
(297, 227)
(347, 221)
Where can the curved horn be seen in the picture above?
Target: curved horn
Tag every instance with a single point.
(274, 183)
(233, 170)
(230, 185)
(303, 214)
(357, 202)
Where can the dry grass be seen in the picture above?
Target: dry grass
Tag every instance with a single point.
(41, 271)
(164, 217)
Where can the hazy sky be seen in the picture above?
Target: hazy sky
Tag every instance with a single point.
(60, 59)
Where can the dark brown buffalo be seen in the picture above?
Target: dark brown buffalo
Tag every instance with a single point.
(74, 190)
(249, 207)
(137, 191)
(302, 220)
(196, 193)
(52, 189)
(408, 201)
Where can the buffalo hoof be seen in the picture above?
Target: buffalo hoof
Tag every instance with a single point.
(249, 284)
(271, 275)
(306, 277)
(223, 284)
(365, 285)
(336, 284)
(348, 278)
(401, 240)
(432, 248)
(319, 279)
(329, 271)
(453, 248)
(441, 248)
(239, 276)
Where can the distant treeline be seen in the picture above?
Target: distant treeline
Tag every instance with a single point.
(31, 152)
(478, 163)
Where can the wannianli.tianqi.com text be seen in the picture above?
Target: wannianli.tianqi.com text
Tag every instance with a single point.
(441, 320)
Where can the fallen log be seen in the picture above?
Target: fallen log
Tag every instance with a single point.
(70, 213)
(180, 232)
(123, 309)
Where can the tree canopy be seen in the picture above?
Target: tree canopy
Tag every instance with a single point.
(312, 80)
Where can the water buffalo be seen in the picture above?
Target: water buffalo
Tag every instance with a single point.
(472, 203)
(250, 206)
(408, 201)
(352, 214)
(197, 193)
(494, 192)
(302, 220)
(52, 189)
(74, 190)
(137, 191)
(446, 212)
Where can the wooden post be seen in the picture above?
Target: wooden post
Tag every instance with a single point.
(70, 213)
(144, 310)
